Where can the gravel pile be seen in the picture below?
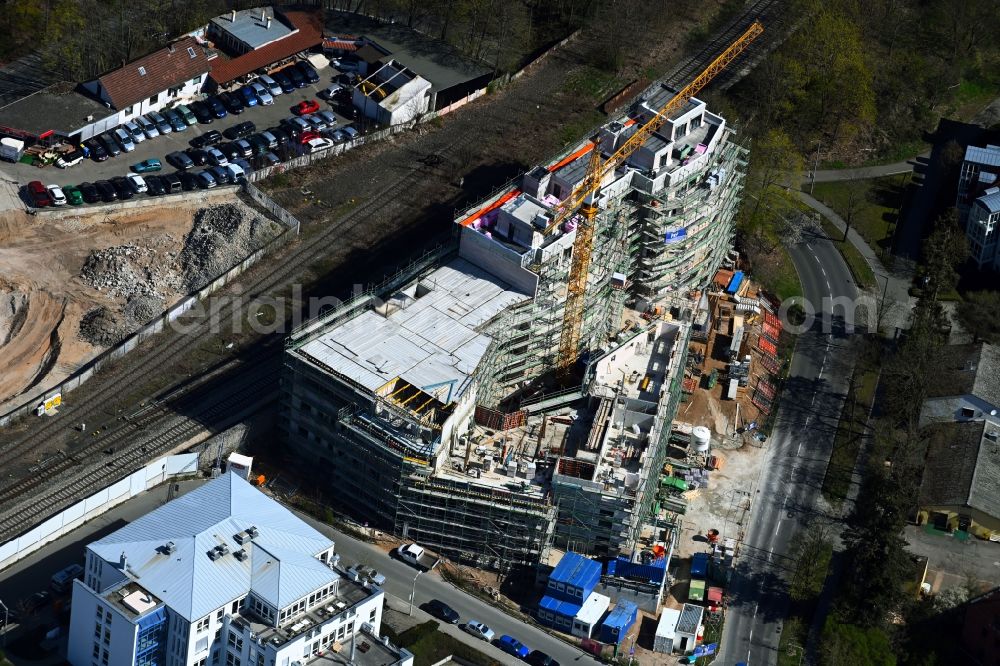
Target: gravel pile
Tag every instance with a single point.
(103, 327)
(140, 310)
(222, 236)
(128, 271)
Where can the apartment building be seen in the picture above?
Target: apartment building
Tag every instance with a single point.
(978, 204)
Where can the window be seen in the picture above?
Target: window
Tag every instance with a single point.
(236, 607)
(192, 54)
(107, 636)
(200, 662)
(97, 630)
(232, 659)
(218, 616)
(203, 624)
(100, 613)
(142, 71)
(371, 617)
(97, 650)
(196, 80)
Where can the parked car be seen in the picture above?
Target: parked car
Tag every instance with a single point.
(230, 150)
(188, 180)
(305, 106)
(180, 160)
(106, 190)
(346, 65)
(307, 71)
(137, 183)
(308, 136)
(280, 135)
(262, 93)
(259, 144)
(237, 172)
(338, 136)
(209, 138)
(316, 123)
(73, 195)
(206, 180)
(441, 610)
(70, 159)
(202, 112)
(232, 102)
(365, 573)
(244, 148)
(56, 195)
(244, 167)
(512, 646)
(222, 174)
(217, 107)
(285, 81)
(135, 130)
(316, 145)
(154, 186)
(171, 183)
(124, 139)
(38, 194)
(161, 123)
(37, 601)
(240, 131)
(89, 192)
(295, 75)
(186, 114)
(216, 158)
(122, 188)
(539, 658)
(350, 132)
(479, 630)
(248, 95)
(176, 122)
(331, 92)
(97, 151)
(272, 86)
(145, 166)
(295, 126)
(199, 157)
(328, 117)
(110, 145)
(270, 159)
(148, 128)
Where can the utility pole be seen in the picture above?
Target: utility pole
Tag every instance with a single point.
(413, 591)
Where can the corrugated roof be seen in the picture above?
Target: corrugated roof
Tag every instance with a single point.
(145, 77)
(971, 369)
(559, 607)
(990, 202)
(194, 585)
(622, 616)
(309, 33)
(988, 156)
(250, 29)
(431, 340)
(690, 619)
(576, 570)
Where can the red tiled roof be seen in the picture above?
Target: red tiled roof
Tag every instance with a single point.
(310, 33)
(165, 68)
(340, 44)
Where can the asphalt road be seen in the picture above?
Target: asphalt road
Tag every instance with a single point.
(785, 501)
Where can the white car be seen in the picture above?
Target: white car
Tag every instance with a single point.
(263, 94)
(479, 630)
(316, 145)
(137, 183)
(270, 84)
(216, 158)
(56, 194)
(70, 159)
(331, 92)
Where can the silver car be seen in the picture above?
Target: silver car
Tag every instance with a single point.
(147, 127)
(133, 128)
(271, 85)
(161, 123)
(263, 94)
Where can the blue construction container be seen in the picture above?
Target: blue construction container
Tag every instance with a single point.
(735, 283)
(625, 568)
(557, 614)
(574, 578)
(618, 622)
(699, 565)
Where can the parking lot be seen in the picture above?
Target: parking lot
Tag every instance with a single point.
(262, 116)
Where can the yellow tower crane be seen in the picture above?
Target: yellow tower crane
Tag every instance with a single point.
(583, 198)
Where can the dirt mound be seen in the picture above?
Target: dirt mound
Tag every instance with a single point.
(141, 309)
(103, 327)
(222, 236)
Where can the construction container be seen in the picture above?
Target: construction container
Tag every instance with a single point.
(699, 565)
(616, 626)
(696, 590)
(666, 628)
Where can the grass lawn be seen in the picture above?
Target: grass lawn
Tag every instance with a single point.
(878, 200)
(850, 431)
(791, 642)
(862, 272)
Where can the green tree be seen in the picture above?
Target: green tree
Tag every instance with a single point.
(775, 162)
(812, 555)
(944, 250)
(979, 313)
(850, 644)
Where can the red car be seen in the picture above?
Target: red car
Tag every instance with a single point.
(39, 195)
(306, 137)
(306, 106)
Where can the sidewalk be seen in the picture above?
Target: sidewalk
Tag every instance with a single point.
(862, 173)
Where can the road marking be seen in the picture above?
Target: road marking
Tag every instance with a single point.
(823, 270)
(776, 526)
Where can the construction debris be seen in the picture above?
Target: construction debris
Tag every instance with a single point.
(222, 236)
(103, 327)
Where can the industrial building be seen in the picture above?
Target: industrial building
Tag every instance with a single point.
(423, 401)
(221, 575)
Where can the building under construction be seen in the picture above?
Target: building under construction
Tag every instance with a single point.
(419, 401)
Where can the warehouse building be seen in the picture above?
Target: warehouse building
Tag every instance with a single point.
(392, 94)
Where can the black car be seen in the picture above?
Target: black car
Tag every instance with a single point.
(180, 160)
(37, 601)
(209, 138)
(97, 151)
(232, 103)
(307, 71)
(171, 183)
(89, 192)
(441, 610)
(259, 144)
(110, 145)
(284, 81)
(295, 75)
(155, 186)
(198, 157)
(230, 150)
(202, 112)
(280, 135)
(188, 180)
(239, 131)
(106, 190)
(217, 107)
(222, 175)
(122, 187)
(291, 129)
(539, 658)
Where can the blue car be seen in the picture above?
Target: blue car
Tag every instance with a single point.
(511, 645)
(215, 104)
(248, 96)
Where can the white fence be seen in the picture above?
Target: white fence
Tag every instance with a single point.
(69, 519)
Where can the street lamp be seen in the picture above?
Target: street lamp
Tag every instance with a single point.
(413, 590)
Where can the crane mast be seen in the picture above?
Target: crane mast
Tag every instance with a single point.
(583, 198)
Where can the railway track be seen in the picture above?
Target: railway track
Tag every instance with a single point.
(130, 437)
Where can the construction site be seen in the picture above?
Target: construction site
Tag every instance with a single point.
(514, 394)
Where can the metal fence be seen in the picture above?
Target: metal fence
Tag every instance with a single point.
(156, 326)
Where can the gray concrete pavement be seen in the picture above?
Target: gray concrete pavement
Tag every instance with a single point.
(861, 173)
(953, 563)
(786, 498)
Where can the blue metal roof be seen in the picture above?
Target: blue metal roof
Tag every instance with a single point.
(576, 570)
(622, 616)
(989, 156)
(559, 607)
(281, 566)
(990, 202)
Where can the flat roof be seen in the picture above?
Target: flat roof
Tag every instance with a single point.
(59, 107)
(428, 338)
(988, 156)
(593, 608)
(248, 27)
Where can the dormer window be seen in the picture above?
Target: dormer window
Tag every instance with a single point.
(142, 71)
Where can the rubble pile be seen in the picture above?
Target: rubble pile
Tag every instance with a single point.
(128, 271)
(103, 327)
(140, 310)
(222, 236)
